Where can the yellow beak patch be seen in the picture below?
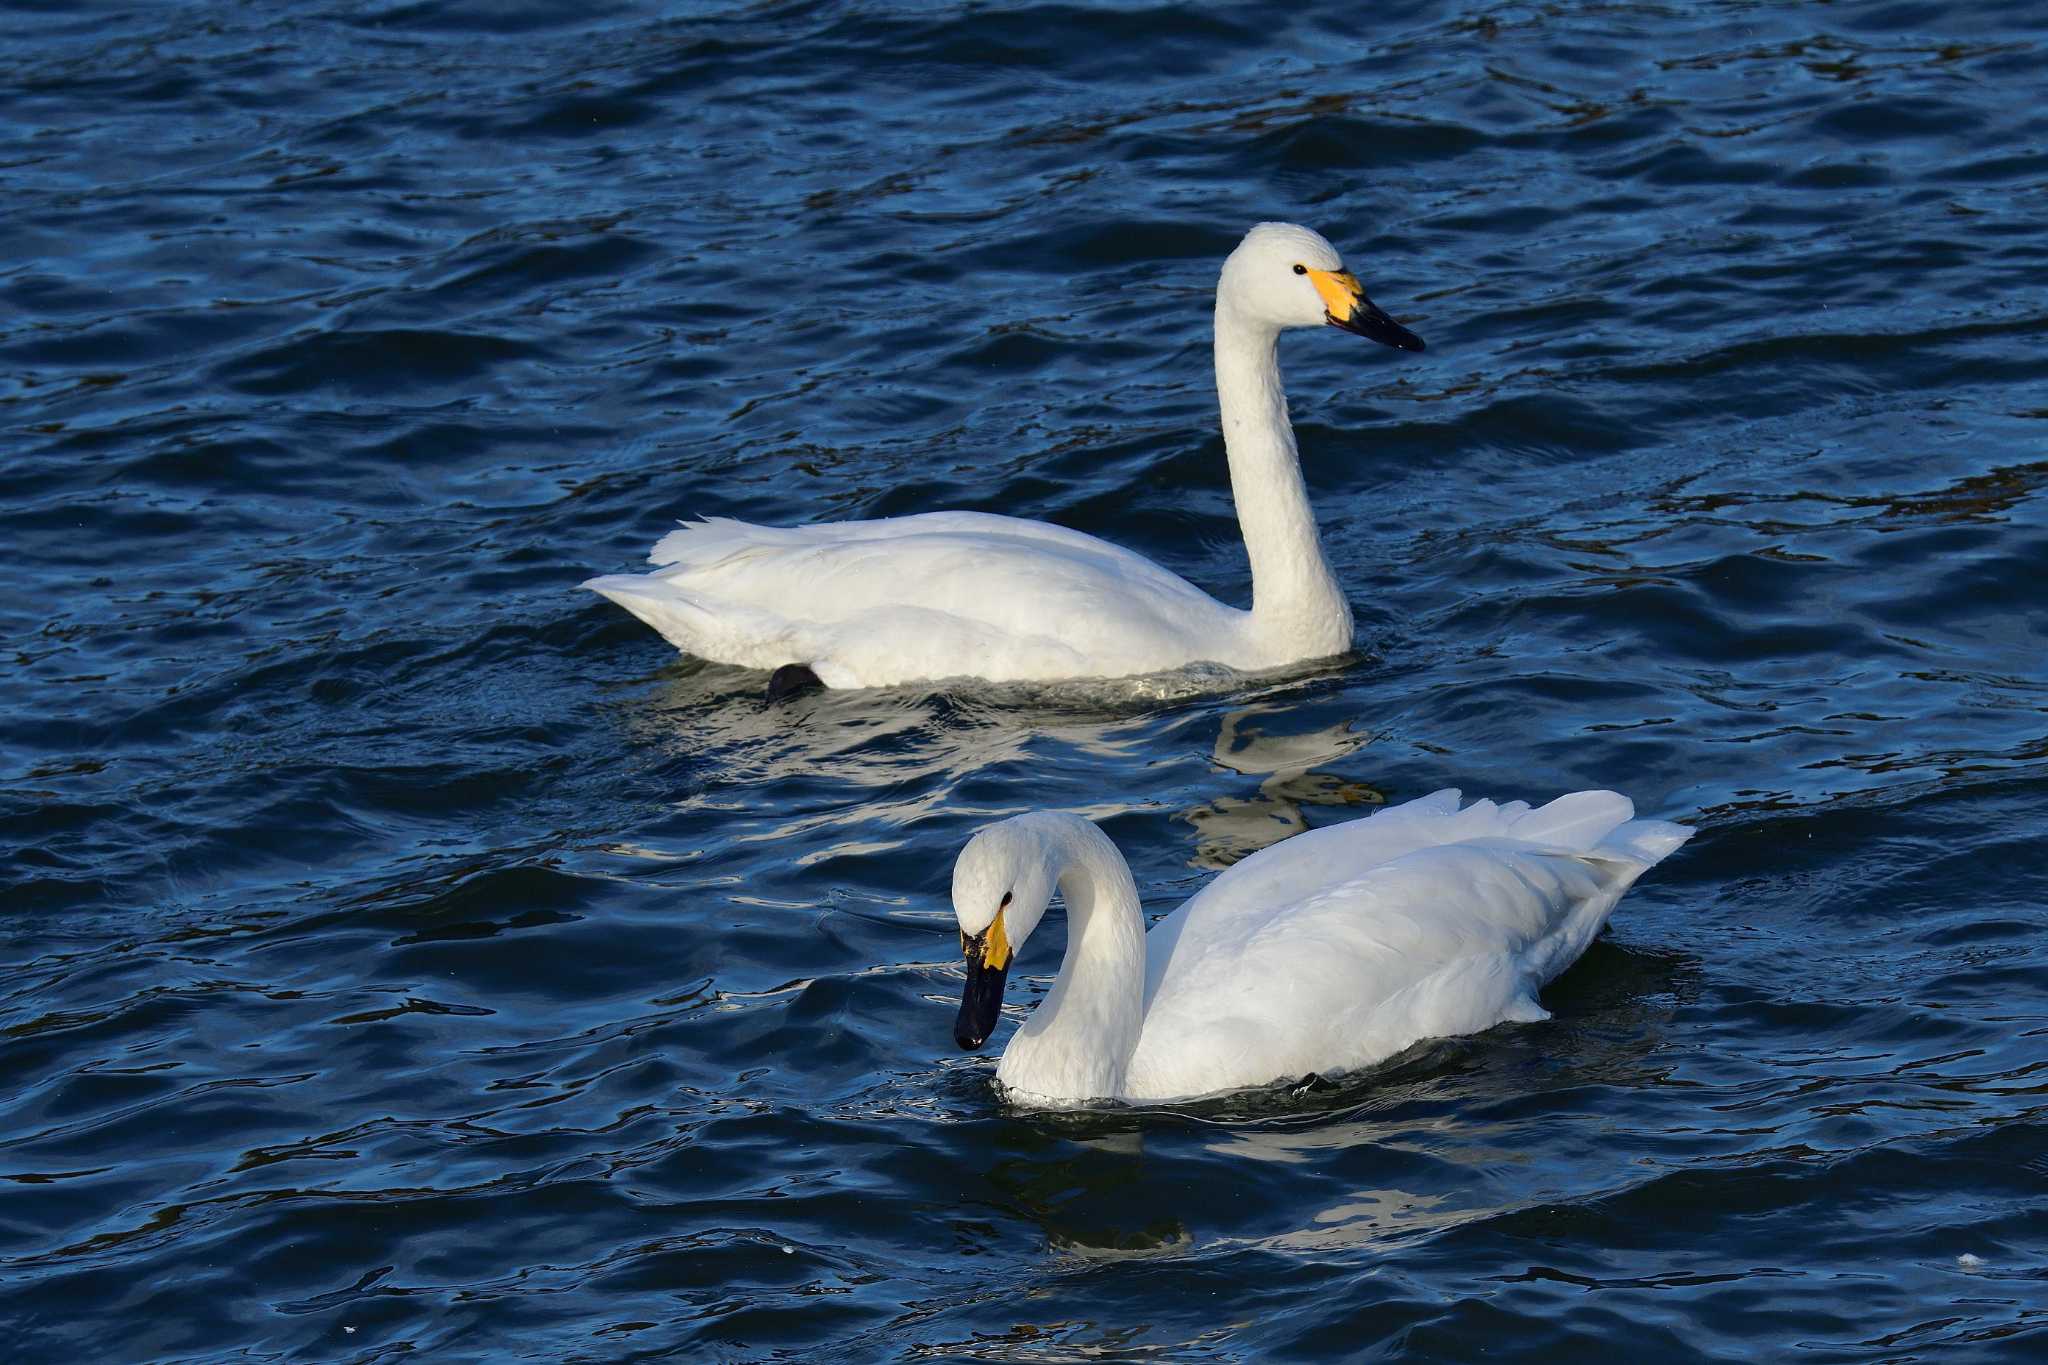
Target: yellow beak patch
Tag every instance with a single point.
(1341, 292)
(994, 943)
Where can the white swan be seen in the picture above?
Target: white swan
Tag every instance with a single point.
(969, 594)
(1327, 952)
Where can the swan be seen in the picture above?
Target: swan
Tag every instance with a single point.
(972, 594)
(1330, 951)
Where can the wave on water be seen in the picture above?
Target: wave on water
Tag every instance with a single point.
(407, 952)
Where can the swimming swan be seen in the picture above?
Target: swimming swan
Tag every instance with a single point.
(1327, 952)
(971, 594)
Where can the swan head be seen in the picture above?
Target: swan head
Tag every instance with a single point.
(1285, 275)
(1002, 883)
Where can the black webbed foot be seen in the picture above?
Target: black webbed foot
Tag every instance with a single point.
(791, 680)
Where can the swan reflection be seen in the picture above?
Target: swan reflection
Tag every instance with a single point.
(1450, 1132)
(849, 769)
(1231, 828)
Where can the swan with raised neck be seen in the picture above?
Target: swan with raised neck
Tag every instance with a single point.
(1298, 611)
(972, 594)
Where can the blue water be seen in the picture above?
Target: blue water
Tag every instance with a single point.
(407, 952)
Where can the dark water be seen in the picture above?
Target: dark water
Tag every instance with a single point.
(405, 951)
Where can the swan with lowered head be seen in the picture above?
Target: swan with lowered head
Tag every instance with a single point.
(1324, 953)
(972, 594)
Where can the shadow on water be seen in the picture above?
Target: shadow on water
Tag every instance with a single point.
(1433, 1139)
(883, 759)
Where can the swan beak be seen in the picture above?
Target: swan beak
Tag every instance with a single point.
(981, 1004)
(1345, 305)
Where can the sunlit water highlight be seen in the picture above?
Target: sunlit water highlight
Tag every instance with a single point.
(406, 952)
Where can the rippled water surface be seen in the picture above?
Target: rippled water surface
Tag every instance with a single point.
(406, 951)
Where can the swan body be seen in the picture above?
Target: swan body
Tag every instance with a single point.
(1324, 953)
(971, 594)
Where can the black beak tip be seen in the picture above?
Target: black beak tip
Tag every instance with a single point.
(1372, 324)
(968, 1041)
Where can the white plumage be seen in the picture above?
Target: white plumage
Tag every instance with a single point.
(969, 594)
(1327, 952)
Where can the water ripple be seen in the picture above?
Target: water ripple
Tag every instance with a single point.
(407, 953)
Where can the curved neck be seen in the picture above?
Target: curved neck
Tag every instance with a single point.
(1077, 1045)
(1297, 609)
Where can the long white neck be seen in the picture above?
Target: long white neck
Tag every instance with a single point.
(1298, 612)
(1077, 1045)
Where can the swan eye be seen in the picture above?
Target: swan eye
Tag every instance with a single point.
(1005, 903)
(1301, 270)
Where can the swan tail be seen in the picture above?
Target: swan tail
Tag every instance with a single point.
(1577, 822)
(721, 632)
(1599, 825)
(1647, 842)
(681, 619)
(1610, 853)
(1571, 824)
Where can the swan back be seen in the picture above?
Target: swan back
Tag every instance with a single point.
(1425, 920)
(973, 595)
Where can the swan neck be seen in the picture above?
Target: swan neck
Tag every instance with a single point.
(1078, 1043)
(1297, 607)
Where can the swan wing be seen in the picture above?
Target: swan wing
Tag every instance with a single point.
(1450, 926)
(701, 544)
(937, 595)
